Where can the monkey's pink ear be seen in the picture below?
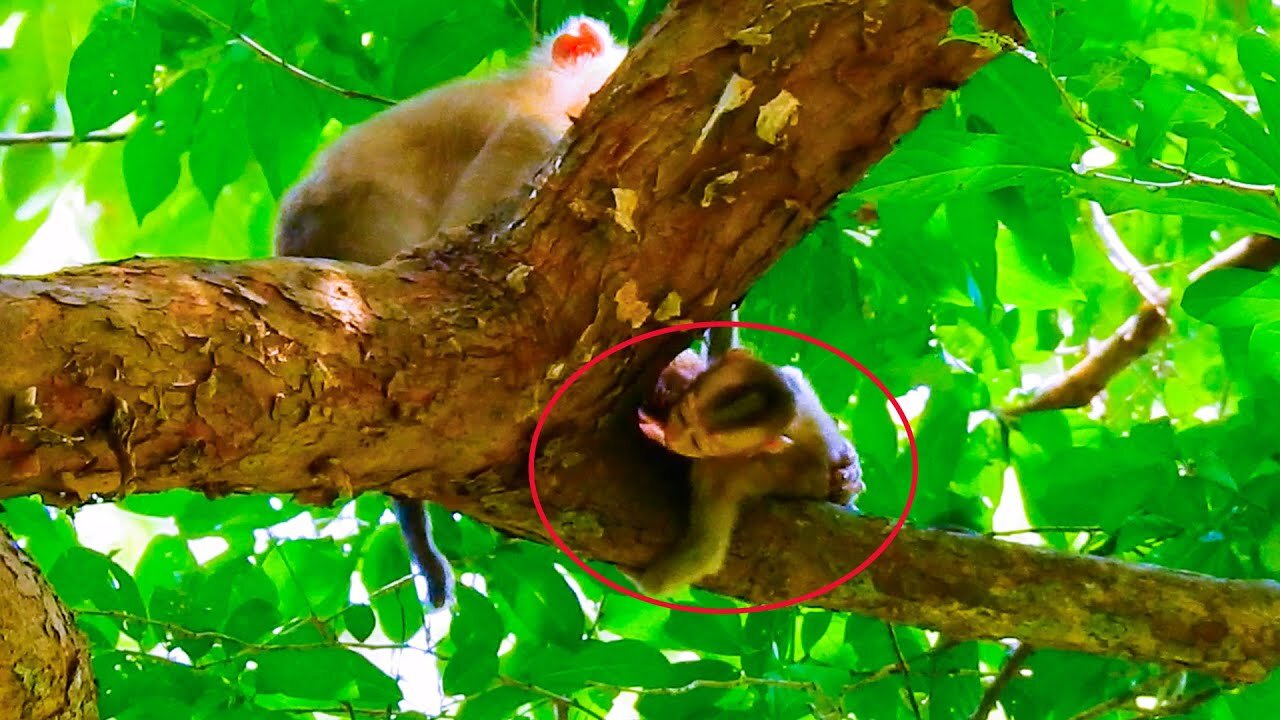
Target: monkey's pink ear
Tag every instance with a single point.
(576, 43)
(777, 444)
(651, 428)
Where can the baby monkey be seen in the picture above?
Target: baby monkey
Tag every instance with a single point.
(441, 160)
(753, 430)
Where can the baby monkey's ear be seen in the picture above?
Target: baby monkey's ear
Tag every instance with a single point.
(652, 429)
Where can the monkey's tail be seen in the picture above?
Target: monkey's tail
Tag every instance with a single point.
(416, 527)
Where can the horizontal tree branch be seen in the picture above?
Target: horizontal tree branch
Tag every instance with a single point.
(55, 137)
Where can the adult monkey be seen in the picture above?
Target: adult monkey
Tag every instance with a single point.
(442, 160)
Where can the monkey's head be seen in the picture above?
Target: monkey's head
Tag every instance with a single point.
(582, 55)
(738, 406)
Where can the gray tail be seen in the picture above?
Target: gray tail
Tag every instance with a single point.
(433, 565)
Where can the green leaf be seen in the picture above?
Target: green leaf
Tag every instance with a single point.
(477, 623)
(1037, 216)
(500, 703)
(151, 167)
(90, 580)
(111, 71)
(220, 148)
(1020, 100)
(332, 674)
(1239, 133)
(286, 123)
(385, 560)
(1260, 59)
(1038, 18)
(165, 563)
(50, 532)
(1166, 102)
(312, 576)
(471, 670)
(359, 621)
(234, 13)
(621, 663)
(720, 634)
(964, 22)
(1234, 297)
(537, 602)
(1264, 348)
(24, 170)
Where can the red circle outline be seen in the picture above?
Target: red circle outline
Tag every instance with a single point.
(686, 327)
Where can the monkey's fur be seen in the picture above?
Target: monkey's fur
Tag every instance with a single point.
(442, 160)
(753, 430)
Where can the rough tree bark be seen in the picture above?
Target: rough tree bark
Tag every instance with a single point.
(424, 376)
(44, 659)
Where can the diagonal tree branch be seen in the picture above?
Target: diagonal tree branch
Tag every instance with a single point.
(45, 672)
(1078, 385)
(424, 376)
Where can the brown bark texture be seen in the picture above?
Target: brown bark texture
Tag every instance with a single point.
(44, 659)
(424, 377)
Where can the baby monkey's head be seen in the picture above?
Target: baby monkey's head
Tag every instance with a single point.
(739, 405)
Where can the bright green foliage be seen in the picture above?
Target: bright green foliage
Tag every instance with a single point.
(979, 277)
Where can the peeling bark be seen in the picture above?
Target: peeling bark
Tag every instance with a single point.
(44, 659)
(424, 377)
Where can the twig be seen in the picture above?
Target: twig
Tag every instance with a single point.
(997, 686)
(54, 137)
(280, 62)
(1125, 261)
(906, 673)
(1077, 386)
(1122, 700)
(1188, 177)
(1183, 706)
(549, 695)
(1046, 529)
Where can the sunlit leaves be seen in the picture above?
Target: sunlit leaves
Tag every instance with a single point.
(112, 70)
(286, 125)
(25, 168)
(1234, 298)
(384, 569)
(332, 674)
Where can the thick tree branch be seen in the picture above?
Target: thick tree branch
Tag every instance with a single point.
(424, 377)
(44, 660)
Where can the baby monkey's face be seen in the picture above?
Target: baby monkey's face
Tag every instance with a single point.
(738, 406)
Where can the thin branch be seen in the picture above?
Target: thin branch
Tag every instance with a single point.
(228, 641)
(280, 62)
(1123, 700)
(1188, 178)
(54, 137)
(997, 686)
(1078, 386)
(549, 695)
(1125, 261)
(1185, 705)
(803, 686)
(906, 673)
(1046, 529)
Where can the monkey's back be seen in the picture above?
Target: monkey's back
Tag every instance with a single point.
(429, 163)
